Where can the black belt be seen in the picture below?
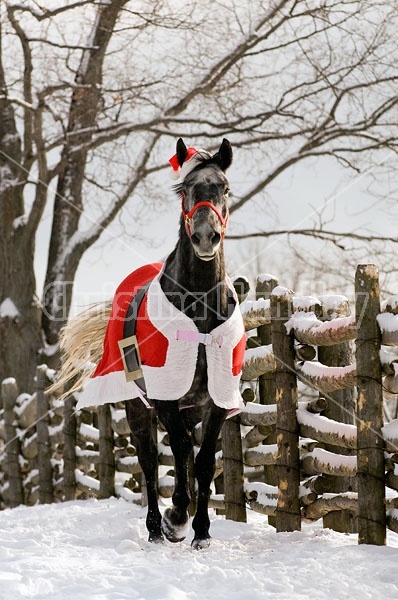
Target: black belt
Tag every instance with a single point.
(129, 345)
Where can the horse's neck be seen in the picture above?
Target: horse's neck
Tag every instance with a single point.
(196, 287)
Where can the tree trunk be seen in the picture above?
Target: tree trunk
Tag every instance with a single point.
(68, 206)
(19, 311)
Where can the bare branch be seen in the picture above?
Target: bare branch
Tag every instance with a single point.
(43, 14)
(321, 234)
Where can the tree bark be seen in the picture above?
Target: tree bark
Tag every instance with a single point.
(9, 392)
(68, 205)
(266, 381)
(288, 516)
(69, 453)
(371, 468)
(46, 490)
(107, 459)
(19, 311)
(341, 408)
(235, 508)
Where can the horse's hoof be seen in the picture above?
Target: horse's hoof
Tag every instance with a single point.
(200, 544)
(174, 531)
(156, 538)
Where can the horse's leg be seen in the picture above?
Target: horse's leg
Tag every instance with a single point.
(175, 519)
(204, 471)
(139, 418)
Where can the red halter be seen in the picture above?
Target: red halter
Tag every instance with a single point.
(188, 216)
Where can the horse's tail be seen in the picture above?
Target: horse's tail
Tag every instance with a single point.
(81, 347)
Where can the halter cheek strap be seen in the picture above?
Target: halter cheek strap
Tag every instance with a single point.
(188, 215)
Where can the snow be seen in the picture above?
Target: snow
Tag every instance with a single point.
(391, 304)
(23, 402)
(89, 432)
(332, 303)
(97, 550)
(129, 461)
(281, 292)
(335, 460)
(305, 321)
(258, 352)
(118, 415)
(87, 481)
(9, 381)
(259, 409)
(20, 221)
(304, 303)
(302, 321)
(324, 424)
(388, 354)
(8, 309)
(388, 322)
(264, 493)
(317, 369)
(390, 430)
(248, 305)
(266, 278)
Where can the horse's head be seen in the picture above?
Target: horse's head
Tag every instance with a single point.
(204, 193)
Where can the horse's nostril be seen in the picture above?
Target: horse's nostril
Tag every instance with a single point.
(195, 239)
(216, 239)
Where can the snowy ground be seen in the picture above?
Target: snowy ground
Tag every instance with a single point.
(98, 550)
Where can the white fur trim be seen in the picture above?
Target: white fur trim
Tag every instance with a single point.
(223, 385)
(189, 165)
(107, 388)
(174, 379)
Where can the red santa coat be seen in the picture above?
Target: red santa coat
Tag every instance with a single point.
(168, 341)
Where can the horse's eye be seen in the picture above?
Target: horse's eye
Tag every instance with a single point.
(226, 191)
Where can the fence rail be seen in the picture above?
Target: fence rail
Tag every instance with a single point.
(288, 459)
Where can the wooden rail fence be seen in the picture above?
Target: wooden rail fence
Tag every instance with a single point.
(310, 444)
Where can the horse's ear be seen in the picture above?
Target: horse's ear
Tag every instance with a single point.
(182, 152)
(224, 155)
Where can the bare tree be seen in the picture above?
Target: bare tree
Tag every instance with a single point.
(87, 111)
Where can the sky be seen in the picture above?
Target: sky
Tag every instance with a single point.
(297, 197)
(98, 550)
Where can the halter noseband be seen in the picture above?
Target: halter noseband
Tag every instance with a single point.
(188, 216)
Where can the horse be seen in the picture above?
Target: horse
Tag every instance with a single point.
(190, 314)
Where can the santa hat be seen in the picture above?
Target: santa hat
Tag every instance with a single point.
(194, 157)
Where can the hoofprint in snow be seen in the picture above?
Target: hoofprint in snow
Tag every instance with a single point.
(97, 550)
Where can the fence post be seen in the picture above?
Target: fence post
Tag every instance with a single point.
(107, 458)
(264, 287)
(266, 382)
(370, 460)
(341, 408)
(235, 506)
(9, 392)
(46, 491)
(69, 452)
(288, 517)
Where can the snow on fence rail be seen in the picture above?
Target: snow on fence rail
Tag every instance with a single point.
(290, 460)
